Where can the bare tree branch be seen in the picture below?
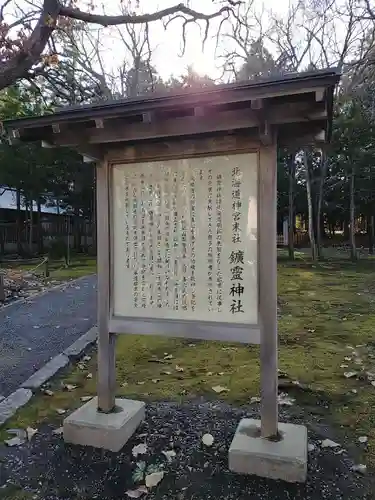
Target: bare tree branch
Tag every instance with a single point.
(17, 65)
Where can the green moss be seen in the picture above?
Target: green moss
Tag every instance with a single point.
(323, 308)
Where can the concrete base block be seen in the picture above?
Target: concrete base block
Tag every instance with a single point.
(284, 459)
(88, 427)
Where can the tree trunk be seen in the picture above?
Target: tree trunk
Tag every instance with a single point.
(292, 175)
(370, 234)
(353, 249)
(310, 208)
(323, 173)
(19, 222)
(31, 226)
(39, 228)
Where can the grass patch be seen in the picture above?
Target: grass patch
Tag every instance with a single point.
(12, 492)
(80, 265)
(323, 309)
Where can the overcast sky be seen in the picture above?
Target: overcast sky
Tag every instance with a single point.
(166, 56)
(167, 44)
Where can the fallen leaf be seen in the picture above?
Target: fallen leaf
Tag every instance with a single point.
(209, 374)
(86, 358)
(30, 432)
(47, 392)
(60, 411)
(221, 373)
(285, 400)
(254, 399)
(311, 330)
(350, 374)
(328, 443)
(219, 389)
(154, 479)
(139, 449)
(191, 345)
(354, 391)
(124, 384)
(15, 441)
(89, 375)
(347, 358)
(311, 447)
(363, 439)
(168, 356)
(166, 372)
(140, 383)
(361, 468)
(155, 380)
(58, 431)
(208, 439)
(81, 366)
(169, 454)
(179, 368)
(69, 387)
(84, 399)
(137, 493)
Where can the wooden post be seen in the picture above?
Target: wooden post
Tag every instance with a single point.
(2, 288)
(47, 268)
(106, 341)
(267, 234)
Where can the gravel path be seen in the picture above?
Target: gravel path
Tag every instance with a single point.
(50, 470)
(33, 332)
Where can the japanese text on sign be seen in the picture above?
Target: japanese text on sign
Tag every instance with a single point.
(185, 239)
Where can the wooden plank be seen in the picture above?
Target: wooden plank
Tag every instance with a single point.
(188, 125)
(200, 330)
(267, 267)
(106, 340)
(185, 148)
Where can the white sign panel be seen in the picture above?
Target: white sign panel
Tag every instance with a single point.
(185, 239)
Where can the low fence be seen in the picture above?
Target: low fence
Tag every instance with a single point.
(80, 233)
(301, 239)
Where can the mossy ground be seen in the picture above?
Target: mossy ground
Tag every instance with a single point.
(324, 308)
(80, 265)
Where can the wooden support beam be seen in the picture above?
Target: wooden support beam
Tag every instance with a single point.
(265, 133)
(267, 241)
(214, 122)
(256, 104)
(319, 95)
(147, 117)
(106, 341)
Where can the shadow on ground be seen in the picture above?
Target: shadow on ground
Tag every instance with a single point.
(47, 469)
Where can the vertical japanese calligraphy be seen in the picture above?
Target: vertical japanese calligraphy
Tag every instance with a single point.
(193, 234)
(219, 246)
(236, 257)
(185, 239)
(210, 246)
